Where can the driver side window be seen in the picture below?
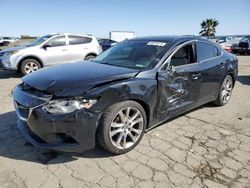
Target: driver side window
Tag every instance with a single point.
(57, 41)
(185, 55)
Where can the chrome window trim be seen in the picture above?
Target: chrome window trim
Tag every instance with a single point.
(185, 43)
(174, 51)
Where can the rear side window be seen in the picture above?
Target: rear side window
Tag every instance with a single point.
(207, 51)
(57, 41)
(74, 40)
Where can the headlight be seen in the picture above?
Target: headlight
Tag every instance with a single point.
(10, 53)
(63, 106)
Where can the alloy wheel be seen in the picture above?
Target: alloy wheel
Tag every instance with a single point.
(226, 89)
(30, 67)
(126, 128)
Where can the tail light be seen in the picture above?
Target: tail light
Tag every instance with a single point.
(228, 48)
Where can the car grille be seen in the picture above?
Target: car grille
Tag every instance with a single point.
(23, 111)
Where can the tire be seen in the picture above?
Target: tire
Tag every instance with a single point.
(29, 65)
(118, 136)
(225, 91)
(89, 57)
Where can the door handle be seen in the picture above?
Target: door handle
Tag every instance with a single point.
(196, 76)
(64, 50)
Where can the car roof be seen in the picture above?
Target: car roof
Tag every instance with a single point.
(169, 38)
(82, 35)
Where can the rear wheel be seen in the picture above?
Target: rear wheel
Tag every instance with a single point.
(29, 65)
(225, 91)
(122, 127)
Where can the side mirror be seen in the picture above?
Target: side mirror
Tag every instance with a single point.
(170, 68)
(165, 73)
(45, 46)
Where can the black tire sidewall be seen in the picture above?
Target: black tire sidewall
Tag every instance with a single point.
(109, 115)
(89, 57)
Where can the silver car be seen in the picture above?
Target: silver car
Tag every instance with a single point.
(49, 50)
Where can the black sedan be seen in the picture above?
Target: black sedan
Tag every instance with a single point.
(243, 47)
(126, 90)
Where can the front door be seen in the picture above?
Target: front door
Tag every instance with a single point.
(179, 82)
(56, 51)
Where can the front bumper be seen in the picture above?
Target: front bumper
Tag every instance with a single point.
(7, 63)
(74, 132)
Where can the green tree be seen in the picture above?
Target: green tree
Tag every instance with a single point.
(208, 27)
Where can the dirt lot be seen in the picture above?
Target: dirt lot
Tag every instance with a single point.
(208, 147)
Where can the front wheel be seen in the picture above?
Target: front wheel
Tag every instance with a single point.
(122, 127)
(225, 91)
(29, 65)
(89, 57)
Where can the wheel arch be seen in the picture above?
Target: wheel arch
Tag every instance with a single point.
(91, 53)
(233, 77)
(146, 108)
(30, 57)
(144, 105)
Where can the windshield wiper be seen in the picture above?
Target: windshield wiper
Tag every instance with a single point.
(103, 62)
(111, 64)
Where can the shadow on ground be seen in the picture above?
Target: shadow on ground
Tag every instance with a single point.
(245, 80)
(9, 74)
(14, 146)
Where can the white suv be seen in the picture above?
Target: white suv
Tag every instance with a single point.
(49, 50)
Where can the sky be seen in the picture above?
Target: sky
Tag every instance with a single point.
(144, 17)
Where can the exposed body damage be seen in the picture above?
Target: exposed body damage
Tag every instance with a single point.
(163, 93)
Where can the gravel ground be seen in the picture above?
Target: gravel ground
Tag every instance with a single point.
(208, 147)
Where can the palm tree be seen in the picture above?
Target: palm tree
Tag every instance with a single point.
(208, 27)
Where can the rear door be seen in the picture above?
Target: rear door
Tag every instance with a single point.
(214, 69)
(179, 81)
(79, 47)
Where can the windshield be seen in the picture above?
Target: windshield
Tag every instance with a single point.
(40, 40)
(133, 54)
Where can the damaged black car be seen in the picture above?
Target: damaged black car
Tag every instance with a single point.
(125, 91)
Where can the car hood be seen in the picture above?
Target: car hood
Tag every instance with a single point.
(75, 79)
